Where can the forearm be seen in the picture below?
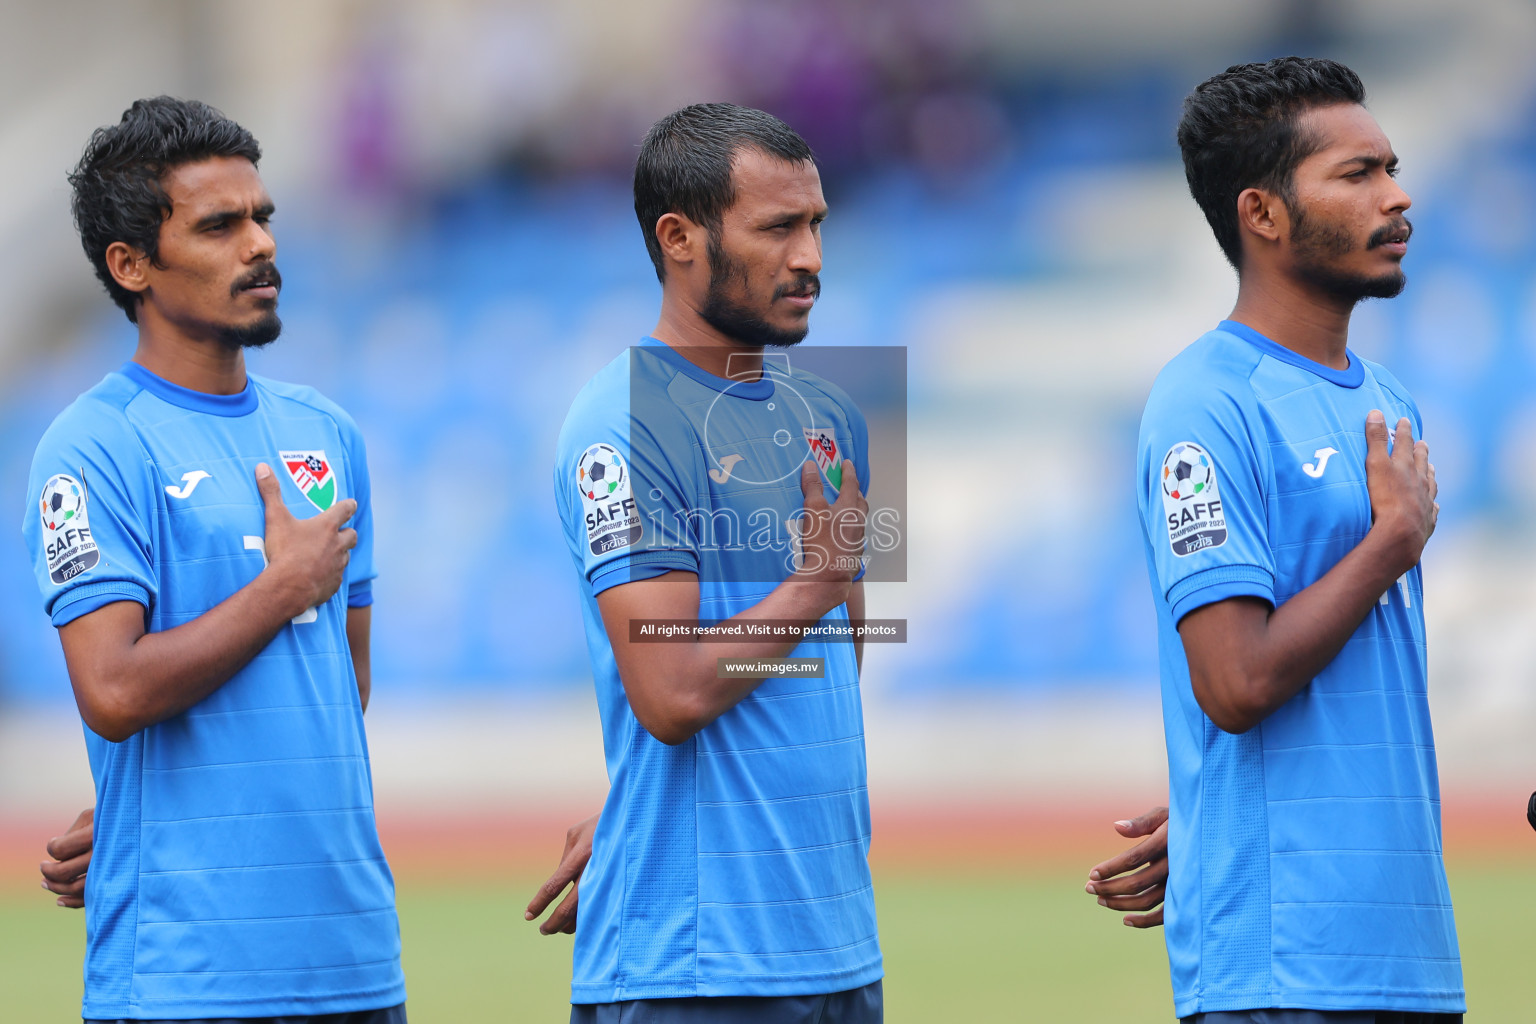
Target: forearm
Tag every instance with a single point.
(359, 630)
(1310, 629)
(1259, 670)
(122, 688)
(675, 689)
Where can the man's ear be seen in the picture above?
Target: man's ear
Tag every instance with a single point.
(128, 266)
(1262, 215)
(682, 240)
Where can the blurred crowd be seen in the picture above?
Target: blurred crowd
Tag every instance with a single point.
(460, 254)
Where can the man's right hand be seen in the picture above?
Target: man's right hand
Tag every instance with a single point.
(309, 556)
(676, 689)
(831, 536)
(70, 853)
(1402, 487)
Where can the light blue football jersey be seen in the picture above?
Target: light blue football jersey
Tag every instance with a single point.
(735, 863)
(237, 869)
(1305, 854)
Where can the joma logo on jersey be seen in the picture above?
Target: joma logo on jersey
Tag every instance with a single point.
(1191, 499)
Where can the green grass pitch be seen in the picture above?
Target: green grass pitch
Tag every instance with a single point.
(1028, 945)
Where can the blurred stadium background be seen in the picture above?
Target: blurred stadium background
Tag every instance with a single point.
(460, 255)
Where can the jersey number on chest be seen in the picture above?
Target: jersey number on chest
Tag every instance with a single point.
(1402, 585)
(259, 544)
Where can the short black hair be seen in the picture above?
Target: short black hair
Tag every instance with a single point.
(685, 164)
(118, 195)
(1240, 129)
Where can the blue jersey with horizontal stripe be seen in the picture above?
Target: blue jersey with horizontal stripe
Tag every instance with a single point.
(237, 870)
(1305, 853)
(735, 863)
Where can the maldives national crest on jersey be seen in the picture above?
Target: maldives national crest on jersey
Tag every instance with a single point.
(311, 473)
(1192, 500)
(823, 445)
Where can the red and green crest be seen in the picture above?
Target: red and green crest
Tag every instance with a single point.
(823, 444)
(311, 472)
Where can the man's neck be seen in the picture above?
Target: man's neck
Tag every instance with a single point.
(1296, 316)
(681, 327)
(211, 367)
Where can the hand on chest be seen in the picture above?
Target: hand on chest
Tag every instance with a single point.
(748, 495)
(213, 520)
(753, 458)
(1319, 502)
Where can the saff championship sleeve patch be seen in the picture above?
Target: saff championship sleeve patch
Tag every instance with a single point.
(67, 539)
(607, 499)
(1192, 500)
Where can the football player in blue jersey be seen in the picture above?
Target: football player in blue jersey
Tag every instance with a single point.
(202, 539)
(1286, 495)
(699, 480)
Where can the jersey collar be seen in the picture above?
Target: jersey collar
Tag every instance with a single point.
(756, 390)
(1351, 377)
(197, 401)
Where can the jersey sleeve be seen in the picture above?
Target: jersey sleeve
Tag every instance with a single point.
(621, 491)
(88, 523)
(1203, 500)
(361, 571)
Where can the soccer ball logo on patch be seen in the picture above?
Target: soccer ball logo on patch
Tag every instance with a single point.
(62, 502)
(600, 472)
(1187, 472)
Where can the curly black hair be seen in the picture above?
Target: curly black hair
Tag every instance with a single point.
(118, 195)
(1240, 129)
(685, 164)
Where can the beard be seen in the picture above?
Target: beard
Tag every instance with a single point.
(258, 333)
(264, 329)
(1318, 248)
(740, 322)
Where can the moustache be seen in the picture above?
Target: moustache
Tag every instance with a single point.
(266, 274)
(1398, 231)
(806, 285)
